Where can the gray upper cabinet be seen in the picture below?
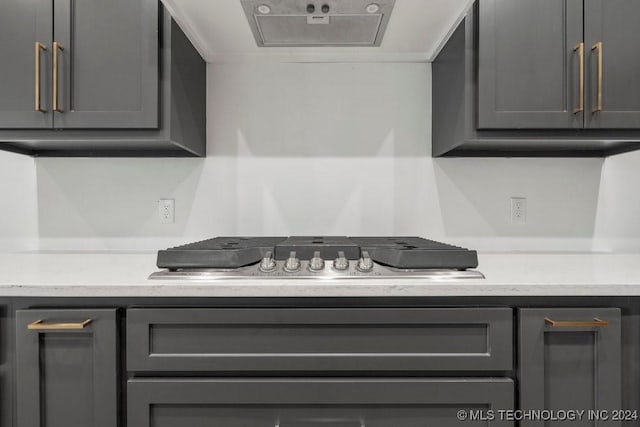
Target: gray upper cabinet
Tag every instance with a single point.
(570, 359)
(122, 77)
(107, 67)
(560, 64)
(85, 64)
(25, 42)
(529, 64)
(66, 368)
(612, 37)
(521, 78)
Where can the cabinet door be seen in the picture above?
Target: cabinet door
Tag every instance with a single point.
(66, 371)
(316, 402)
(528, 68)
(108, 63)
(23, 23)
(570, 359)
(6, 363)
(612, 36)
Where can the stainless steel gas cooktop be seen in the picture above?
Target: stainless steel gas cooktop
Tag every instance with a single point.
(316, 258)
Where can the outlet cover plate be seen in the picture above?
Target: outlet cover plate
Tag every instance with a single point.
(518, 210)
(166, 211)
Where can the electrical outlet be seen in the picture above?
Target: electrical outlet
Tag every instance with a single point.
(166, 211)
(518, 210)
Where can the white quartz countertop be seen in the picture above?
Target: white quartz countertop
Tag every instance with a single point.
(119, 274)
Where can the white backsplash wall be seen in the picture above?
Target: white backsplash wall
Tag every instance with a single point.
(318, 149)
(618, 223)
(18, 212)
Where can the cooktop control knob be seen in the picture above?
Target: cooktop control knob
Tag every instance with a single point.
(292, 263)
(316, 263)
(365, 263)
(268, 264)
(341, 263)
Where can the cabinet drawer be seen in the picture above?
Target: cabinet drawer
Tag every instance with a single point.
(315, 402)
(399, 339)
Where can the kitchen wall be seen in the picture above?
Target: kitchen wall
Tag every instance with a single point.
(328, 148)
(18, 200)
(618, 219)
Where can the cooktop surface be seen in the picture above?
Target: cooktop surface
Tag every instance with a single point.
(404, 253)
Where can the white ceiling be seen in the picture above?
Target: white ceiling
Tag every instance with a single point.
(220, 31)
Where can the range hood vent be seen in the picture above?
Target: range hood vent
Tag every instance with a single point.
(282, 23)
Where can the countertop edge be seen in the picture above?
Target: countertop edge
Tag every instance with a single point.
(310, 291)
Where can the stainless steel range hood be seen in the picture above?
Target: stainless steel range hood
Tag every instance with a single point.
(303, 23)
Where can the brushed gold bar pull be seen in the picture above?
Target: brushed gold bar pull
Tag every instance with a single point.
(580, 49)
(56, 47)
(598, 47)
(595, 323)
(39, 325)
(38, 105)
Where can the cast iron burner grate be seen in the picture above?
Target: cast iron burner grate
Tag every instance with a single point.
(403, 253)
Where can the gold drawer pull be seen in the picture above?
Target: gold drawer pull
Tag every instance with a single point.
(595, 323)
(39, 325)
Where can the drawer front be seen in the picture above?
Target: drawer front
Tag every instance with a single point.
(399, 339)
(316, 403)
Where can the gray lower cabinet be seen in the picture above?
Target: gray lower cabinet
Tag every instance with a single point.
(280, 366)
(611, 37)
(528, 70)
(67, 368)
(314, 345)
(306, 402)
(570, 359)
(6, 363)
(319, 339)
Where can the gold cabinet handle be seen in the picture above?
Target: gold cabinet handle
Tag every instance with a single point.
(598, 47)
(39, 325)
(580, 49)
(595, 323)
(38, 105)
(56, 47)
